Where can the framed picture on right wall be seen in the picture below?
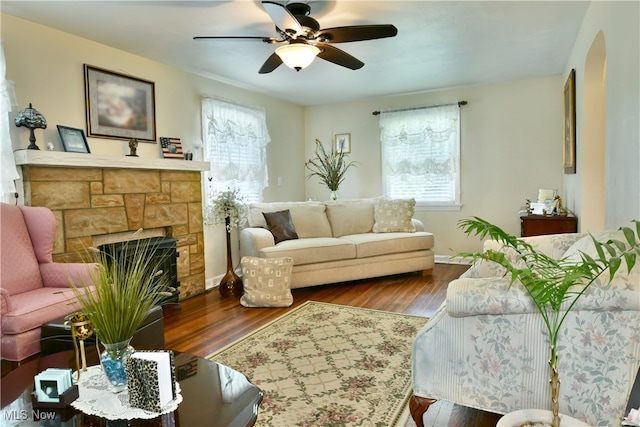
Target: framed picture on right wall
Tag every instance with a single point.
(570, 123)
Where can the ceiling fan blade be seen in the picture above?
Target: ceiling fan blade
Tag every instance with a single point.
(356, 33)
(264, 39)
(270, 64)
(283, 19)
(338, 56)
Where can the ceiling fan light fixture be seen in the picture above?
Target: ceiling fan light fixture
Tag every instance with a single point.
(297, 55)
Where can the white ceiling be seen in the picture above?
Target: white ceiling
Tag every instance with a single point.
(439, 43)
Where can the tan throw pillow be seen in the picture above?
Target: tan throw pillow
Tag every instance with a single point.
(393, 215)
(267, 282)
(350, 216)
(280, 225)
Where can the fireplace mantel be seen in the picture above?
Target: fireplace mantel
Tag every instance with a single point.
(81, 160)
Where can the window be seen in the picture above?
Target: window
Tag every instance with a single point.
(9, 173)
(421, 155)
(235, 142)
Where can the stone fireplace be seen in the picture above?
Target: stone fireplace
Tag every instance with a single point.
(97, 199)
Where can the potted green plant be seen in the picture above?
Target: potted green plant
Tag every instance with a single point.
(330, 167)
(228, 208)
(554, 285)
(124, 288)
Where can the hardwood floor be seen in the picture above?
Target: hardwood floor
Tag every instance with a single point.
(207, 323)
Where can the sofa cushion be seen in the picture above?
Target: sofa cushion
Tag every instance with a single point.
(350, 216)
(280, 225)
(374, 244)
(309, 218)
(33, 308)
(311, 250)
(393, 215)
(19, 272)
(266, 281)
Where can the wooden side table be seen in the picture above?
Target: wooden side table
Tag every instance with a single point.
(538, 225)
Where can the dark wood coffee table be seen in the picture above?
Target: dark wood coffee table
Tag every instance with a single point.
(202, 381)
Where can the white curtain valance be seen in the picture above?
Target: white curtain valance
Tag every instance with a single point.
(228, 123)
(235, 141)
(420, 153)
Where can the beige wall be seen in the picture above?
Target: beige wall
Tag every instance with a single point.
(511, 146)
(619, 24)
(47, 68)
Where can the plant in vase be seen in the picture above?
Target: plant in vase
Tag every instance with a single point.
(228, 208)
(124, 288)
(554, 285)
(330, 167)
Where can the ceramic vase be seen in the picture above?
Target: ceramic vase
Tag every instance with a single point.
(230, 284)
(113, 360)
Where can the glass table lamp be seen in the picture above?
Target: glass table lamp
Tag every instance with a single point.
(32, 119)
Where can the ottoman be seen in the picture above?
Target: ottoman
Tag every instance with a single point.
(150, 335)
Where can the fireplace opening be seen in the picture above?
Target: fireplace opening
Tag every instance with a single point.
(161, 253)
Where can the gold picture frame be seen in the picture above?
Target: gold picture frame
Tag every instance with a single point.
(342, 142)
(119, 106)
(569, 152)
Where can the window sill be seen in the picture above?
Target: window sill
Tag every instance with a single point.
(435, 207)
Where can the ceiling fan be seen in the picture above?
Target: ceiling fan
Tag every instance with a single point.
(302, 39)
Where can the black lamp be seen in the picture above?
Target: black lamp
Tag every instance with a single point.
(32, 119)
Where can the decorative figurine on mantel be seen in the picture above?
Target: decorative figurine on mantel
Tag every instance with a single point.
(133, 147)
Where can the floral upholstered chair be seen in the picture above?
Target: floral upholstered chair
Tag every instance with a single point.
(486, 346)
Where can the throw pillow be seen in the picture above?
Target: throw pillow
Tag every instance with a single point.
(350, 216)
(280, 225)
(393, 215)
(309, 218)
(267, 282)
(585, 244)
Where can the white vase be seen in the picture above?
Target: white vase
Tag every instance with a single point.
(536, 418)
(334, 195)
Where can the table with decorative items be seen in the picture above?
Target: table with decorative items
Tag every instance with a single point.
(538, 225)
(203, 392)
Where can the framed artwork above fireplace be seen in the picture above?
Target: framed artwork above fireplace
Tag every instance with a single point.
(119, 106)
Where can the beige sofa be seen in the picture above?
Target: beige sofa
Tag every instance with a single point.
(342, 240)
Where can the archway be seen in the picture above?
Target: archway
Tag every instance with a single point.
(593, 137)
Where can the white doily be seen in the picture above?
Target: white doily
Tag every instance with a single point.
(96, 399)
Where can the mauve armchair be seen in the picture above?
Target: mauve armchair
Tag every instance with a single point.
(33, 289)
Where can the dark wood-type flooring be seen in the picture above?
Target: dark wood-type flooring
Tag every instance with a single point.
(206, 323)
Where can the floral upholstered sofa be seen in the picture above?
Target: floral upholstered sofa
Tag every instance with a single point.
(486, 346)
(339, 241)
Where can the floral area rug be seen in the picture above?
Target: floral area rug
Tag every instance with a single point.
(329, 365)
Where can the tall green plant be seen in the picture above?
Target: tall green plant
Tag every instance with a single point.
(554, 285)
(125, 287)
(330, 167)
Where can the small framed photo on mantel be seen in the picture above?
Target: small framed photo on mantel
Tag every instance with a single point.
(73, 139)
(342, 142)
